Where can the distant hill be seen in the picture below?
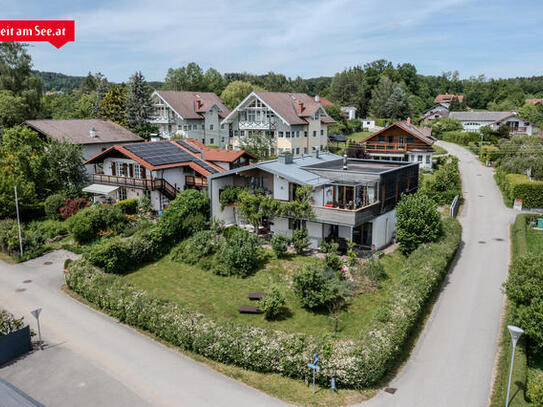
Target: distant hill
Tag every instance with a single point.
(59, 81)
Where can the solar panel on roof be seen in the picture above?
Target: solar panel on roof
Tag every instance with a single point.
(188, 146)
(159, 153)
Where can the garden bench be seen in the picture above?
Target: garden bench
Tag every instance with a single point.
(245, 309)
(256, 296)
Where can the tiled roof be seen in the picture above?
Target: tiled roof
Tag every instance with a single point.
(479, 116)
(214, 154)
(447, 98)
(185, 103)
(422, 133)
(287, 105)
(78, 131)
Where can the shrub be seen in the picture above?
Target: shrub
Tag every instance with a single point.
(72, 206)
(273, 303)
(239, 254)
(489, 153)
(518, 186)
(333, 262)
(445, 124)
(52, 206)
(8, 323)
(300, 241)
(418, 221)
(329, 247)
(524, 288)
(128, 206)
(459, 137)
(279, 244)
(354, 363)
(144, 204)
(86, 224)
(111, 255)
(444, 184)
(316, 288)
(185, 215)
(230, 195)
(375, 270)
(192, 250)
(67, 263)
(534, 386)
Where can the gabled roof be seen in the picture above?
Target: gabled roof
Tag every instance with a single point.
(422, 133)
(214, 154)
(447, 98)
(479, 116)
(160, 155)
(434, 112)
(293, 108)
(185, 103)
(78, 131)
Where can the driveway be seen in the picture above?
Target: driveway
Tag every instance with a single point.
(452, 362)
(92, 360)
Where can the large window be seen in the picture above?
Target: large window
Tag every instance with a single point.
(122, 193)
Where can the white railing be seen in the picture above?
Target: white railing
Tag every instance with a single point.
(256, 125)
(454, 206)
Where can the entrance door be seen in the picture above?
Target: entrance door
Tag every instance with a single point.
(366, 234)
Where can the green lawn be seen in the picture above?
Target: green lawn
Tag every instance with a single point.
(359, 136)
(221, 296)
(439, 150)
(523, 239)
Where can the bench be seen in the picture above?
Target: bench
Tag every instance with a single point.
(256, 296)
(245, 309)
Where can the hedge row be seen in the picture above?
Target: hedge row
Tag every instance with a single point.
(460, 137)
(354, 363)
(518, 186)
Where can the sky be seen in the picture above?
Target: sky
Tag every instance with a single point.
(496, 38)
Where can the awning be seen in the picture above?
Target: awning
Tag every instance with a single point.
(100, 189)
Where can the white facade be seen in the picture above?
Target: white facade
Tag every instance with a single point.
(368, 124)
(349, 111)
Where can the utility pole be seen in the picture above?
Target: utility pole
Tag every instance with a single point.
(18, 221)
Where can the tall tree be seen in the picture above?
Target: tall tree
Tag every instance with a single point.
(214, 81)
(190, 77)
(12, 109)
(277, 83)
(113, 105)
(298, 85)
(347, 88)
(236, 91)
(101, 90)
(455, 105)
(88, 84)
(397, 105)
(139, 106)
(16, 76)
(380, 96)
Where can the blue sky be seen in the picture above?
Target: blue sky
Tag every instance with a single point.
(497, 38)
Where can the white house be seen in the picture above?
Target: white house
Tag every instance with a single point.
(368, 124)
(473, 121)
(93, 135)
(158, 169)
(195, 115)
(288, 122)
(349, 111)
(351, 199)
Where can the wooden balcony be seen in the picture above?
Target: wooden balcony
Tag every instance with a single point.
(517, 129)
(157, 184)
(195, 181)
(386, 147)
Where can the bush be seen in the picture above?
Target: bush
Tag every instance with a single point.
(534, 386)
(86, 224)
(111, 255)
(375, 270)
(8, 323)
(445, 124)
(518, 186)
(273, 303)
(418, 221)
(192, 250)
(144, 204)
(239, 255)
(489, 153)
(444, 184)
(279, 244)
(128, 206)
(354, 363)
(185, 215)
(329, 247)
(333, 262)
(72, 206)
(524, 288)
(300, 241)
(460, 137)
(52, 206)
(230, 195)
(315, 288)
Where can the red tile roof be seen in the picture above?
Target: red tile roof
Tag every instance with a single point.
(447, 98)
(214, 154)
(422, 133)
(185, 103)
(534, 101)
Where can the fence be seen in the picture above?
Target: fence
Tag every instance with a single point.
(454, 206)
(15, 344)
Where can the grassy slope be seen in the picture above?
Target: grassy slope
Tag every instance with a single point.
(439, 150)
(523, 239)
(220, 296)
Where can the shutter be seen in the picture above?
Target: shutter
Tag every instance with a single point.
(131, 170)
(125, 170)
(142, 172)
(113, 172)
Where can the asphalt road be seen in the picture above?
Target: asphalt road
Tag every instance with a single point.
(453, 360)
(92, 360)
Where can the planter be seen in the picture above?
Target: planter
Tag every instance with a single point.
(15, 344)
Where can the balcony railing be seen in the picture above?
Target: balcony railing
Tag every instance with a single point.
(517, 129)
(159, 120)
(157, 184)
(195, 181)
(256, 125)
(386, 147)
(342, 216)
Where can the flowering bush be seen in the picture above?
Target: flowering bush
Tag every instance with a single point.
(8, 323)
(72, 206)
(355, 363)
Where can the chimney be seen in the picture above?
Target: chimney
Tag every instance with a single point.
(317, 99)
(300, 107)
(408, 121)
(92, 132)
(345, 161)
(198, 104)
(202, 154)
(285, 158)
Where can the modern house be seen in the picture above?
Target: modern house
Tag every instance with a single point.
(93, 135)
(195, 115)
(158, 169)
(351, 199)
(368, 124)
(473, 121)
(402, 141)
(446, 99)
(349, 112)
(287, 122)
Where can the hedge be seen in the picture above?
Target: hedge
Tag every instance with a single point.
(128, 206)
(460, 137)
(355, 363)
(518, 186)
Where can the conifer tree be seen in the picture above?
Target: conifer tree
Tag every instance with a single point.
(139, 106)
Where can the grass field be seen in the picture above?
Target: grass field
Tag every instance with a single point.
(439, 150)
(523, 239)
(359, 136)
(220, 296)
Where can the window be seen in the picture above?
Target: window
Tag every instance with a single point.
(313, 148)
(222, 139)
(419, 158)
(210, 127)
(322, 132)
(410, 140)
(236, 133)
(305, 133)
(381, 139)
(287, 134)
(400, 140)
(185, 127)
(211, 141)
(137, 171)
(147, 193)
(305, 150)
(314, 133)
(280, 134)
(322, 148)
(297, 150)
(526, 123)
(122, 194)
(203, 126)
(428, 159)
(391, 139)
(179, 127)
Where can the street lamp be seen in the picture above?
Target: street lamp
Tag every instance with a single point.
(515, 332)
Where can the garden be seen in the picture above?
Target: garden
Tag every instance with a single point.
(184, 278)
(524, 290)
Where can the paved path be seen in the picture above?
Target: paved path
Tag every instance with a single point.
(92, 360)
(453, 360)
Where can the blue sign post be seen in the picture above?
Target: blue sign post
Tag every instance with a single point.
(315, 368)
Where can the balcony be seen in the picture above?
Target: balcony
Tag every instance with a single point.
(386, 148)
(350, 217)
(157, 184)
(159, 120)
(256, 125)
(517, 129)
(193, 181)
